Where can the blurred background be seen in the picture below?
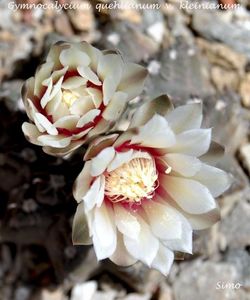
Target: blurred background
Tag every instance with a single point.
(191, 54)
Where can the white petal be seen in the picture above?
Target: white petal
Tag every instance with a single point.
(104, 232)
(116, 106)
(203, 221)
(216, 180)
(184, 244)
(126, 222)
(87, 73)
(54, 141)
(46, 97)
(56, 88)
(164, 221)
(31, 133)
(145, 247)
(192, 196)
(88, 117)
(42, 73)
(46, 124)
(67, 122)
(121, 256)
(82, 183)
(73, 58)
(120, 159)
(32, 115)
(73, 82)
(88, 289)
(96, 96)
(184, 164)
(110, 70)
(193, 142)
(155, 133)
(100, 163)
(185, 117)
(82, 106)
(95, 194)
(163, 260)
(132, 80)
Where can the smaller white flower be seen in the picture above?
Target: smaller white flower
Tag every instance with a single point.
(78, 93)
(144, 192)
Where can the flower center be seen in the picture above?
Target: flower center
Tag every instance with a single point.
(69, 97)
(133, 181)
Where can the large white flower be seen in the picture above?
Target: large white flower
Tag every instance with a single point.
(142, 193)
(76, 94)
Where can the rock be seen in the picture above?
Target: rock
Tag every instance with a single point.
(236, 227)
(244, 153)
(223, 56)
(182, 74)
(85, 290)
(165, 292)
(241, 260)
(82, 18)
(10, 93)
(245, 91)
(52, 295)
(219, 29)
(224, 79)
(62, 25)
(200, 280)
(128, 39)
(223, 113)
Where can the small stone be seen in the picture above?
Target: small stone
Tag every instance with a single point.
(29, 205)
(224, 79)
(82, 18)
(201, 280)
(52, 295)
(245, 91)
(244, 153)
(62, 25)
(236, 226)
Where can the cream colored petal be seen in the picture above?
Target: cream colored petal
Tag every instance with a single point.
(46, 97)
(87, 73)
(95, 194)
(98, 144)
(121, 257)
(32, 111)
(88, 117)
(216, 180)
(203, 221)
(120, 159)
(101, 127)
(96, 96)
(73, 58)
(214, 154)
(80, 231)
(163, 260)
(31, 133)
(67, 122)
(46, 124)
(81, 134)
(132, 80)
(104, 232)
(93, 53)
(110, 68)
(161, 106)
(145, 247)
(43, 72)
(82, 106)
(185, 243)
(164, 221)
(126, 223)
(28, 92)
(73, 82)
(82, 182)
(193, 142)
(56, 88)
(57, 141)
(54, 53)
(115, 107)
(155, 133)
(185, 117)
(192, 196)
(59, 152)
(100, 163)
(183, 164)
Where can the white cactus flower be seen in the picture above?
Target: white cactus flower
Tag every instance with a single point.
(142, 193)
(79, 92)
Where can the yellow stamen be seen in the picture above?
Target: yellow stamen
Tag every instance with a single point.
(69, 97)
(133, 181)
